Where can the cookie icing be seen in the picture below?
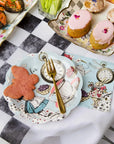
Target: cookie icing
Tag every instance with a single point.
(103, 32)
(79, 19)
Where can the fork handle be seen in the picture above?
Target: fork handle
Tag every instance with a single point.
(59, 99)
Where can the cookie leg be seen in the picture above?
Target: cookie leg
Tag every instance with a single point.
(28, 95)
(13, 92)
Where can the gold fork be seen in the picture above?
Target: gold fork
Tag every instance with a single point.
(52, 73)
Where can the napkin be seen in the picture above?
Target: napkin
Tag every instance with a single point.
(95, 94)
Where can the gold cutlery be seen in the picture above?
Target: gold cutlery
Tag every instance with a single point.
(52, 73)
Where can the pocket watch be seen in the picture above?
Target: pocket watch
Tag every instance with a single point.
(60, 68)
(105, 75)
(60, 71)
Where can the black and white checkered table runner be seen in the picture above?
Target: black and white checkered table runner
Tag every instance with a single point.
(31, 36)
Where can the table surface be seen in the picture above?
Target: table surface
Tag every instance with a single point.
(33, 35)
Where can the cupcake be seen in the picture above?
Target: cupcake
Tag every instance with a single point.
(79, 24)
(102, 35)
(110, 15)
(94, 5)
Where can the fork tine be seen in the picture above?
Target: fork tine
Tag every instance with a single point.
(47, 67)
(53, 65)
(50, 67)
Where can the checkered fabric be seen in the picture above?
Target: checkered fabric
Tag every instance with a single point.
(31, 36)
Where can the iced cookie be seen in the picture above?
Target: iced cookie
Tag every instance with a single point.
(110, 15)
(22, 84)
(94, 5)
(79, 23)
(102, 35)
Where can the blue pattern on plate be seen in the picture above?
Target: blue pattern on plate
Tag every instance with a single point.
(94, 0)
(29, 108)
(89, 67)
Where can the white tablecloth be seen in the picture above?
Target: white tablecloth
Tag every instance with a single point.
(82, 126)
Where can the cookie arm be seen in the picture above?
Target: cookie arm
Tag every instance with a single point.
(13, 91)
(34, 78)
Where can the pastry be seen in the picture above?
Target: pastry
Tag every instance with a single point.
(79, 23)
(94, 5)
(102, 35)
(3, 21)
(110, 15)
(13, 6)
(22, 84)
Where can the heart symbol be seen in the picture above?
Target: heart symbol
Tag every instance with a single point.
(105, 30)
(76, 16)
(99, 95)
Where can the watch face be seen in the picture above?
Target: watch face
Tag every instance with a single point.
(60, 71)
(105, 75)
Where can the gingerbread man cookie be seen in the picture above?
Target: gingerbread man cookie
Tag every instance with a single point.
(22, 84)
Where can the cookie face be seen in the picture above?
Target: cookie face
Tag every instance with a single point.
(22, 84)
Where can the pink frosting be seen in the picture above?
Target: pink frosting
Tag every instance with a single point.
(79, 19)
(103, 32)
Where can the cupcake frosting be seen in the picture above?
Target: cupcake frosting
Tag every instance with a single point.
(79, 19)
(103, 32)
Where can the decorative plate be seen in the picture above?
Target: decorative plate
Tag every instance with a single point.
(44, 107)
(14, 18)
(59, 25)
